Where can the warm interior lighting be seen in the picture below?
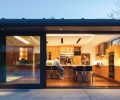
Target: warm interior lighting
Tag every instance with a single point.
(23, 53)
(21, 39)
(34, 39)
(90, 39)
(118, 62)
(98, 62)
(70, 35)
(12, 78)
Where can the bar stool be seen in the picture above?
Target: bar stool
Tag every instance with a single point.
(88, 76)
(49, 71)
(54, 72)
(79, 73)
(74, 78)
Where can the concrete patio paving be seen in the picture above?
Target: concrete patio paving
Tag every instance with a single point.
(60, 94)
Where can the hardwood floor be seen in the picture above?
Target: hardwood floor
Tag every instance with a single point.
(97, 81)
(25, 80)
(66, 82)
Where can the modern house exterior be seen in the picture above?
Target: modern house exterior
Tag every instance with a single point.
(28, 48)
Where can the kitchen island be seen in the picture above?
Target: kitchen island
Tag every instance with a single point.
(72, 72)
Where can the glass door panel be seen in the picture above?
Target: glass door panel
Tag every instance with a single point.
(23, 59)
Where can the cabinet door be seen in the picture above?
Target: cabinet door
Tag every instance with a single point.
(54, 52)
(66, 49)
(77, 51)
(10, 55)
(30, 54)
(98, 50)
(16, 52)
(37, 58)
(103, 48)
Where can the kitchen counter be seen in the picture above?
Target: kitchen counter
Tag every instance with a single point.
(72, 65)
(76, 65)
(71, 70)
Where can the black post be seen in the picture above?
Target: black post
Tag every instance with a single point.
(43, 60)
(2, 58)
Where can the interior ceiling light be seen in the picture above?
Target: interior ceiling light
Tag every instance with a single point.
(90, 39)
(62, 40)
(78, 40)
(70, 34)
(35, 39)
(21, 39)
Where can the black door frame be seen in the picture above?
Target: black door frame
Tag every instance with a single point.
(3, 67)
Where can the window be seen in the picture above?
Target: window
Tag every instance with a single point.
(116, 41)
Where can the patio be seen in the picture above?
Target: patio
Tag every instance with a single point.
(60, 94)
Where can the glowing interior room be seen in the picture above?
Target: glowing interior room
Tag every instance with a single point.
(59, 53)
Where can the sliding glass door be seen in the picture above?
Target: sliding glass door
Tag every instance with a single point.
(23, 59)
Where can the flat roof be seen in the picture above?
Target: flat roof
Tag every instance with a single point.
(60, 22)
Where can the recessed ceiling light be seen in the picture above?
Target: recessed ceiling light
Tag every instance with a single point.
(90, 39)
(34, 39)
(21, 39)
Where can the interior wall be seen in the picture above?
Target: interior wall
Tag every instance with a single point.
(84, 49)
(36, 50)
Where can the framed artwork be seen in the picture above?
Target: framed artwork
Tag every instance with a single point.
(85, 59)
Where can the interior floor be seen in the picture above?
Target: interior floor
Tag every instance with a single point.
(97, 81)
(25, 80)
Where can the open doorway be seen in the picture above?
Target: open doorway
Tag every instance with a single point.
(84, 58)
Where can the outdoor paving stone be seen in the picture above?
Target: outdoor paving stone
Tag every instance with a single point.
(104, 94)
(60, 94)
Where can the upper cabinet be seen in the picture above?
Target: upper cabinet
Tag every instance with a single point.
(66, 49)
(23, 52)
(77, 51)
(52, 52)
(101, 49)
(26, 53)
(17, 53)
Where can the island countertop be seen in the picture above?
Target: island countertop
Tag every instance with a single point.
(72, 65)
(76, 65)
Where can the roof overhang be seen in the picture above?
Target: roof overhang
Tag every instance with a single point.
(61, 25)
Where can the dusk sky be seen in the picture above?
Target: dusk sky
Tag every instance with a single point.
(68, 9)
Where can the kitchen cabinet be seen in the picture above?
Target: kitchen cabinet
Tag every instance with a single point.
(10, 55)
(102, 71)
(101, 49)
(16, 53)
(52, 52)
(77, 51)
(25, 53)
(66, 49)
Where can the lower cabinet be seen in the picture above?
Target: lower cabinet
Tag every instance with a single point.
(101, 71)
